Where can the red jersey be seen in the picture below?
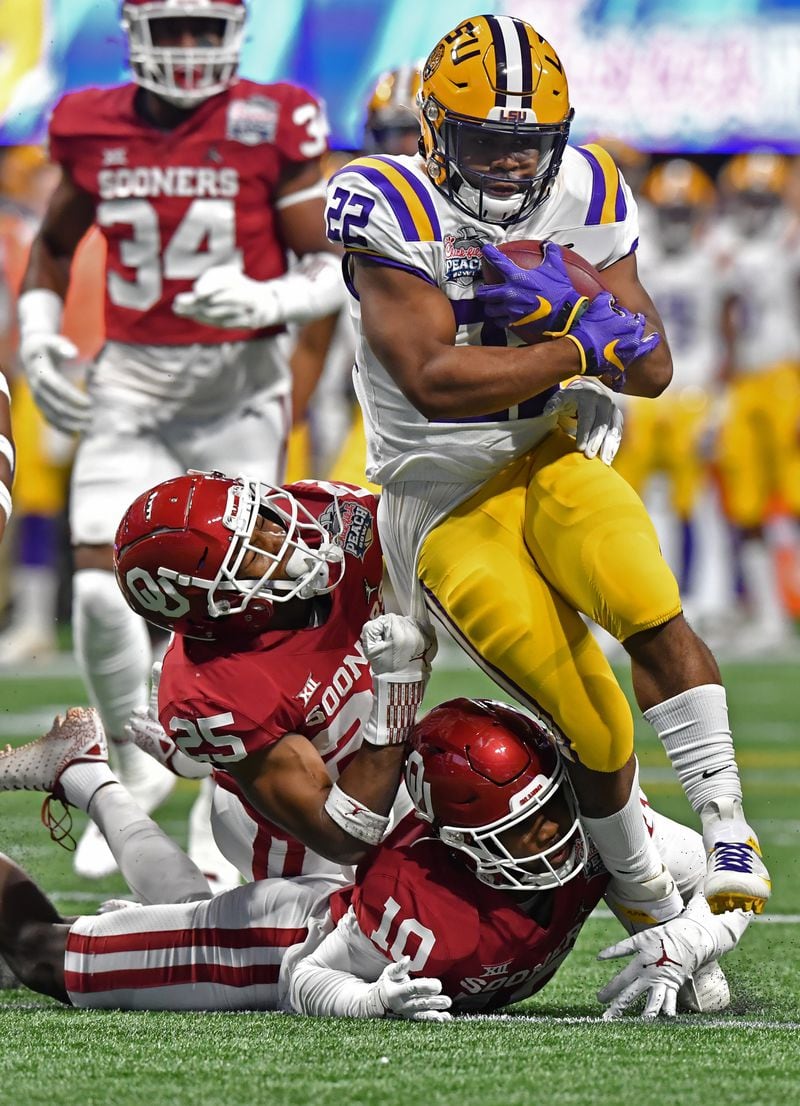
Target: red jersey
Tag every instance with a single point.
(488, 947)
(220, 703)
(173, 203)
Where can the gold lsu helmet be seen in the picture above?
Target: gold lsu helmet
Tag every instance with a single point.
(755, 174)
(392, 106)
(679, 183)
(495, 117)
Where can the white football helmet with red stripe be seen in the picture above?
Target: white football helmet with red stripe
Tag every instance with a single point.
(184, 62)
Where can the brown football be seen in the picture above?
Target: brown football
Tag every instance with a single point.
(527, 253)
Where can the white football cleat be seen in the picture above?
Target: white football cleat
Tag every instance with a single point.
(736, 876)
(705, 992)
(78, 738)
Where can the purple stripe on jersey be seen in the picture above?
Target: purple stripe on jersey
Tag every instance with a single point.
(396, 201)
(467, 311)
(621, 206)
(598, 188)
(379, 259)
(420, 192)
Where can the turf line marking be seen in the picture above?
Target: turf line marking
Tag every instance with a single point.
(549, 1019)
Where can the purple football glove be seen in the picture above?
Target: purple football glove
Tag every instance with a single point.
(608, 338)
(544, 295)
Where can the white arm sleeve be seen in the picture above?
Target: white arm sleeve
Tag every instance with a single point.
(311, 289)
(337, 979)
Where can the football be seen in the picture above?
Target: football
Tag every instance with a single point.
(527, 253)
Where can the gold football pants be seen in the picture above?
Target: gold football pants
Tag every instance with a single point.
(551, 535)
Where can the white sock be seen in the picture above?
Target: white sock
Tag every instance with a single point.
(112, 646)
(155, 868)
(80, 781)
(694, 729)
(35, 588)
(625, 846)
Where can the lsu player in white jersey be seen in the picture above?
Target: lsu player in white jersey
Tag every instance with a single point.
(759, 444)
(680, 265)
(491, 518)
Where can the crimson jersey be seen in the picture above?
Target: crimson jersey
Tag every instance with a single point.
(219, 705)
(489, 948)
(173, 203)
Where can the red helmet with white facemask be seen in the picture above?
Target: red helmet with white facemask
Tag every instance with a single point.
(180, 547)
(182, 73)
(476, 769)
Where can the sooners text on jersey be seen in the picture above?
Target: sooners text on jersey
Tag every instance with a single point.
(173, 203)
(220, 705)
(489, 948)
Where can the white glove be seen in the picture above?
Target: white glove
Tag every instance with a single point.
(588, 412)
(395, 992)
(667, 955)
(144, 729)
(392, 642)
(223, 296)
(42, 356)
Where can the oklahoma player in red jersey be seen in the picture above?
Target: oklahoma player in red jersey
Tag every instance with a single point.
(268, 679)
(188, 172)
(473, 911)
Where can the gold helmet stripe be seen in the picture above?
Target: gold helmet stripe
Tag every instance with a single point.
(607, 203)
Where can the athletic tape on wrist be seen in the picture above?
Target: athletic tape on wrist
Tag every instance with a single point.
(355, 818)
(394, 712)
(4, 389)
(7, 450)
(5, 501)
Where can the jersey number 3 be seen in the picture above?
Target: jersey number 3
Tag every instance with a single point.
(205, 236)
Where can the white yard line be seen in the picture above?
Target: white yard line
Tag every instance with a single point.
(549, 1019)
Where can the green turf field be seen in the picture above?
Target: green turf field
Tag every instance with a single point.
(550, 1050)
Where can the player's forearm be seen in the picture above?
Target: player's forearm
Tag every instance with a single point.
(47, 269)
(465, 381)
(649, 376)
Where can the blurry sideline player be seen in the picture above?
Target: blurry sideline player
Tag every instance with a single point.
(324, 353)
(489, 515)
(269, 680)
(680, 267)
(759, 443)
(194, 178)
(44, 453)
(470, 906)
(6, 453)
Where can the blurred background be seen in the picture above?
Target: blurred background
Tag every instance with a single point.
(699, 103)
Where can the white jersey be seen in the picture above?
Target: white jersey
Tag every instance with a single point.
(387, 208)
(763, 272)
(687, 291)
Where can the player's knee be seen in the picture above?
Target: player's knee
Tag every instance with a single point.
(602, 739)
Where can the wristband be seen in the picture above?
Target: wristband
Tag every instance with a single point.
(7, 451)
(394, 710)
(39, 311)
(355, 818)
(5, 501)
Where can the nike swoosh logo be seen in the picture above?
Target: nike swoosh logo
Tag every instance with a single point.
(715, 772)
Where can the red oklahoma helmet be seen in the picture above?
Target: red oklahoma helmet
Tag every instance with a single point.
(179, 548)
(184, 75)
(478, 767)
